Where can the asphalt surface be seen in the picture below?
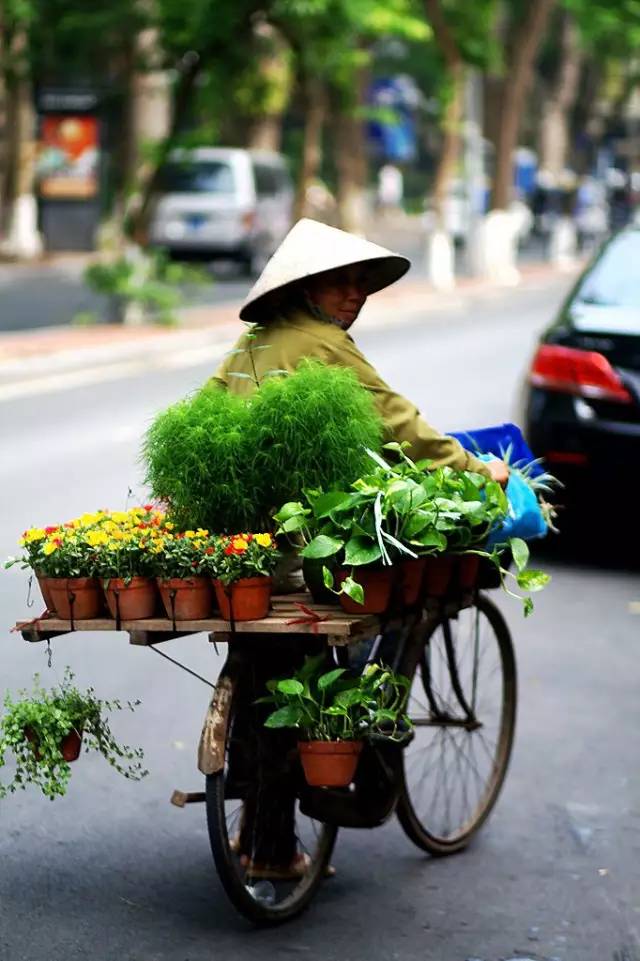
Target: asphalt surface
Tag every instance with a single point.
(112, 872)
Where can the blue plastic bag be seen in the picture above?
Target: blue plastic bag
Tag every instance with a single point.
(525, 517)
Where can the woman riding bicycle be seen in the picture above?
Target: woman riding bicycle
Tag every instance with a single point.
(305, 301)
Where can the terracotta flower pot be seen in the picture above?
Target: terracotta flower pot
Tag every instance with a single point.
(45, 590)
(376, 583)
(329, 763)
(70, 745)
(468, 567)
(247, 599)
(411, 577)
(75, 598)
(133, 600)
(437, 575)
(186, 599)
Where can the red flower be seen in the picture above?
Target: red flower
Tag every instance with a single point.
(209, 550)
(230, 550)
(148, 507)
(50, 530)
(57, 541)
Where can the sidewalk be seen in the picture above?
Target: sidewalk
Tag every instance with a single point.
(26, 356)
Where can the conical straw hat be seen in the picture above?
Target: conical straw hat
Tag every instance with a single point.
(311, 248)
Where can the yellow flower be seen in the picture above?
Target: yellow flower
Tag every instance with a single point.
(49, 548)
(169, 526)
(264, 540)
(96, 538)
(190, 534)
(240, 543)
(200, 532)
(35, 534)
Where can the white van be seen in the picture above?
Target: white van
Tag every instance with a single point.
(223, 202)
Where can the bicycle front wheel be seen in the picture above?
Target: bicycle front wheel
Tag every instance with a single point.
(257, 888)
(463, 708)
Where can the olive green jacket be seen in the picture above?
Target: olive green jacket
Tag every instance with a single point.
(298, 335)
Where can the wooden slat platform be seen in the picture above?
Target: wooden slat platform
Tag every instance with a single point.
(329, 621)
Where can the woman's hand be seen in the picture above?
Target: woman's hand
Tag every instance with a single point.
(499, 471)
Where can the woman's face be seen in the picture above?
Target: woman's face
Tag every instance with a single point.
(339, 293)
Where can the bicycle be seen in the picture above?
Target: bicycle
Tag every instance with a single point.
(442, 785)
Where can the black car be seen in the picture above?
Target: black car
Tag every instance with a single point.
(582, 396)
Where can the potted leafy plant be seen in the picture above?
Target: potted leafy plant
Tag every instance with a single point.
(241, 566)
(44, 730)
(180, 566)
(335, 712)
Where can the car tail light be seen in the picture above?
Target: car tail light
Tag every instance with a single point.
(582, 372)
(249, 219)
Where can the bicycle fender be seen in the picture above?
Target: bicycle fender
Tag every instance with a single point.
(214, 730)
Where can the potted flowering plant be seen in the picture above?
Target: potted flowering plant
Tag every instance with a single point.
(335, 713)
(241, 565)
(64, 561)
(44, 730)
(126, 544)
(181, 573)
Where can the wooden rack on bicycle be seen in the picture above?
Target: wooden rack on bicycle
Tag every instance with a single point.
(290, 614)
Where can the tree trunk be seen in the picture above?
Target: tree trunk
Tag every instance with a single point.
(451, 142)
(554, 131)
(315, 109)
(519, 69)
(138, 221)
(350, 158)
(452, 117)
(266, 133)
(22, 238)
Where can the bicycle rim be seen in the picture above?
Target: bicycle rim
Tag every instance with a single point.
(455, 766)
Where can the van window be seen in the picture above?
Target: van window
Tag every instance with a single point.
(197, 176)
(266, 180)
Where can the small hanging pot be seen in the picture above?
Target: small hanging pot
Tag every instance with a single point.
(247, 599)
(186, 599)
(70, 745)
(131, 600)
(75, 598)
(329, 763)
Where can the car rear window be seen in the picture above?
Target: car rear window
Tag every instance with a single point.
(614, 280)
(202, 176)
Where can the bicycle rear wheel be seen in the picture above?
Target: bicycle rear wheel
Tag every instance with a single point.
(264, 900)
(463, 707)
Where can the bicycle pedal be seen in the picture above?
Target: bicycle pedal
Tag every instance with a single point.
(180, 798)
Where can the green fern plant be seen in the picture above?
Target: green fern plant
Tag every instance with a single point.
(226, 463)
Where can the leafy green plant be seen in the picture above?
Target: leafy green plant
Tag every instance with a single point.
(404, 510)
(334, 706)
(199, 461)
(32, 729)
(224, 462)
(149, 280)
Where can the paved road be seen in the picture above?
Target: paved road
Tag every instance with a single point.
(114, 873)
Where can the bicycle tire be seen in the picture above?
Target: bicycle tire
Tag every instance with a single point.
(426, 831)
(234, 878)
